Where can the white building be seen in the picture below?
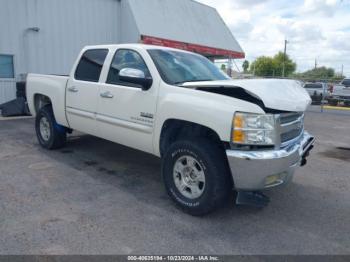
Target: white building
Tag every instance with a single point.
(45, 36)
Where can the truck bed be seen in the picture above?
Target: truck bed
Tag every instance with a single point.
(52, 86)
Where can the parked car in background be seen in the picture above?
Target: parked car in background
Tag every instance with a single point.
(340, 93)
(317, 91)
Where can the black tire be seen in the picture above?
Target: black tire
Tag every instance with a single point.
(57, 136)
(218, 182)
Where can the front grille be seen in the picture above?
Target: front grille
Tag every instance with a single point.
(285, 137)
(291, 127)
(287, 118)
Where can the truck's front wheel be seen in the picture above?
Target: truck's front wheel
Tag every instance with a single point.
(50, 134)
(196, 176)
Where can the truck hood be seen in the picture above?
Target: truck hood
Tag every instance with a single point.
(277, 94)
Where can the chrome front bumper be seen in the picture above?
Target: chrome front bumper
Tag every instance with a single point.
(258, 170)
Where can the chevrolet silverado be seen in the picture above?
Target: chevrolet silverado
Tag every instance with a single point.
(213, 134)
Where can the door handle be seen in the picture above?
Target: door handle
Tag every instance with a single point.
(73, 89)
(107, 95)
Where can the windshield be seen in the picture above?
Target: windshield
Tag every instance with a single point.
(177, 67)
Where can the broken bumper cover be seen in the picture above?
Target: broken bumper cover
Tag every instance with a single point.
(258, 170)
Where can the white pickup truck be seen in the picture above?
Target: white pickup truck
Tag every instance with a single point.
(214, 135)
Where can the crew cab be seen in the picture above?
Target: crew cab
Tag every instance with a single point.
(213, 134)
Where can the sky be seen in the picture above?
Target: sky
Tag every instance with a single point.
(315, 29)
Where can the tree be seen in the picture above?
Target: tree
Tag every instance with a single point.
(273, 66)
(262, 66)
(317, 74)
(338, 77)
(245, 66)
(278, 61)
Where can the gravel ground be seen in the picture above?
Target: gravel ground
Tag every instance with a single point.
(96, 197)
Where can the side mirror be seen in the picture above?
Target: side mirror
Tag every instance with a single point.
(135, 76)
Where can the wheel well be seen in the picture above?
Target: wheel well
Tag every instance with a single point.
(174, 129)
(41, 101)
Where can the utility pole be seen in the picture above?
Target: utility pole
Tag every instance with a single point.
(230, 67)
(315, 63)
(284, 58)
(342, 70)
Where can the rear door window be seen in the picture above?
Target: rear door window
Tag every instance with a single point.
(90, 65)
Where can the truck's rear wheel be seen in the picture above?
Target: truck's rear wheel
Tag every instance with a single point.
(196, 176)
(50, 134)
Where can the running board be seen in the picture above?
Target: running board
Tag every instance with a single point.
(252, 198)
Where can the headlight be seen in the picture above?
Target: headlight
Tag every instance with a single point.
(253, 129)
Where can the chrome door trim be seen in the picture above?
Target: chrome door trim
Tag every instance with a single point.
(79, 112)
(124, 123)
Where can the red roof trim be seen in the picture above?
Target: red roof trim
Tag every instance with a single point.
(205, 50)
